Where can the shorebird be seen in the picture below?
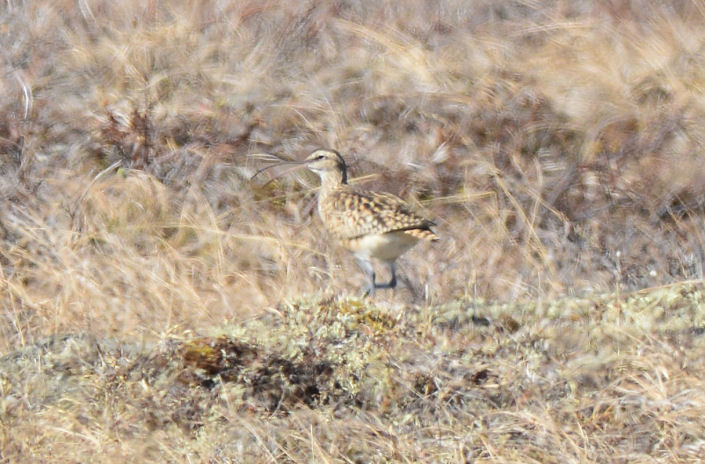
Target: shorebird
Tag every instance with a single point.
(372, 225)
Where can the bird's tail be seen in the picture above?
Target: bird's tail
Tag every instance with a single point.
(422, 234)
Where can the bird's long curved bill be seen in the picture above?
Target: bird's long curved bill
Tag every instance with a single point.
(281, 162)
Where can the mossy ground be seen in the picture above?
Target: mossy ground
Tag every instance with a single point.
(608, 379)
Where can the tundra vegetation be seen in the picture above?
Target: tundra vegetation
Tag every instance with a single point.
(159, 305)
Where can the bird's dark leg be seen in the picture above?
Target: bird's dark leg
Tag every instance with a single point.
(393, 282)
(366, 266)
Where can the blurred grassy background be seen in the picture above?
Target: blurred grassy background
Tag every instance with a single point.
(557, 144)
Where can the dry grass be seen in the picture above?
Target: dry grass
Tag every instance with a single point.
(344, 380)
(557, 144)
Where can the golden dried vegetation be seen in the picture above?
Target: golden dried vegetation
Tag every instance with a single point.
(156, 305)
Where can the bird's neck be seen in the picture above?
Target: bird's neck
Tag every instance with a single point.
(333, 180)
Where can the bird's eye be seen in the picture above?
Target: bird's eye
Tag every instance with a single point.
(320, 157)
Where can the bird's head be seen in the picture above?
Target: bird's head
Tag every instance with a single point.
(328, 164)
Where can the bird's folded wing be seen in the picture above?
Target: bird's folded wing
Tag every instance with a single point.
(350, 214)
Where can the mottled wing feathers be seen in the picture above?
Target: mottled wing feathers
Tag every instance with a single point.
(350, 214)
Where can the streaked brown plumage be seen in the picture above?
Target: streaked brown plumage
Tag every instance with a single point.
(371, 225)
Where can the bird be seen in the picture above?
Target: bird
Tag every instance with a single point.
(371, 225)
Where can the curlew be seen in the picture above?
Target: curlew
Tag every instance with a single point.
(372, 225)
